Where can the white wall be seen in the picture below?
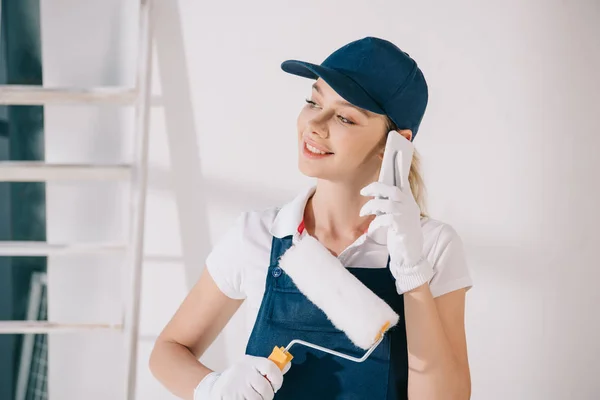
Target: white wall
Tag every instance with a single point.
(509, 144)
(86, 44)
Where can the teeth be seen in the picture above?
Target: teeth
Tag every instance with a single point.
(313, 149)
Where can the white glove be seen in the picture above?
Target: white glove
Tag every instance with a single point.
(253, 378)
(398, 211)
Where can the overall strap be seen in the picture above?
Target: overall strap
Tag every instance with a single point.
(278, 247)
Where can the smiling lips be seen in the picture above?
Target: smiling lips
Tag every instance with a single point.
(312, 150)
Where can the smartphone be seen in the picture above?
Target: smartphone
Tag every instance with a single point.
(397, 158)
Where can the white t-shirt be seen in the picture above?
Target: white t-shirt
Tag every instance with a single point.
(240, 260)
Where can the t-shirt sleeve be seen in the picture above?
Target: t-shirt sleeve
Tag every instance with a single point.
(450, 268)
(225, 261)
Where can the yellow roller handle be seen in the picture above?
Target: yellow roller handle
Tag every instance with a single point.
(383, 330)
(280, 357)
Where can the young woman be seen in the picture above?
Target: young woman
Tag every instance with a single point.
(415, 263)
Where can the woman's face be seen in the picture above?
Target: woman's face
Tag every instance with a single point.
(338, 141)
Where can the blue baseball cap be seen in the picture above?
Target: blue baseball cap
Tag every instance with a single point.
(373, 74)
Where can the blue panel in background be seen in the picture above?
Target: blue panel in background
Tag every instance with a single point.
(22, 205)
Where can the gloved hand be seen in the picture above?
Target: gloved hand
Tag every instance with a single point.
(253, 378)
(397, 210)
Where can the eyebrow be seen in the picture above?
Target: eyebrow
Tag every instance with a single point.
(343, 102)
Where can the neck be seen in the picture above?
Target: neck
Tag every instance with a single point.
(333, 211)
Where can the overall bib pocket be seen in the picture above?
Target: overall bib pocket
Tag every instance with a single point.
(289, 308)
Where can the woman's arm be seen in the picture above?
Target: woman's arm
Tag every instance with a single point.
(437, 347)
(434, 327)
(200, 318)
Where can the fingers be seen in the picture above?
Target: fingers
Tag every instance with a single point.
(380, 206)
(268, 368)
(385, 220)
(286, 368)
(262, 388)
(381, 190)
(252, 394)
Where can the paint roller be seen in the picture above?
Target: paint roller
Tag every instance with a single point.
(349, 304)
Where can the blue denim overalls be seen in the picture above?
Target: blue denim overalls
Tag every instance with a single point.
(286, 314)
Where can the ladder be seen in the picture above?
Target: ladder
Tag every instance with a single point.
(135, 173)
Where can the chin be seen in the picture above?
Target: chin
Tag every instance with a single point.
(310, 170)
(320, 169)
(314, 171)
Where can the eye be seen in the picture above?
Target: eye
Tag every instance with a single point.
(312, 104)
(345, 120)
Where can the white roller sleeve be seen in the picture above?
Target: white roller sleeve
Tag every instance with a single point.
(347, 302)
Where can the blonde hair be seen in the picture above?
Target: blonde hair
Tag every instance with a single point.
(415, 176)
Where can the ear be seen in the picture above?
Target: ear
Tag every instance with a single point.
(407, 133)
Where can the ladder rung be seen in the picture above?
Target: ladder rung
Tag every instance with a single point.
(40, 249)
(38, 95)
(20, 327)
(14, 171)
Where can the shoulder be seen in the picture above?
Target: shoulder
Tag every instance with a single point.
(240, 255)
(250, 231)
(257, 223)
(438, 233)
(445, 251)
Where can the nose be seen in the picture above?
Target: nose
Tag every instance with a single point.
(318, 125)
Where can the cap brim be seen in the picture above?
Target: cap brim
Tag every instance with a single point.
(344, 86)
